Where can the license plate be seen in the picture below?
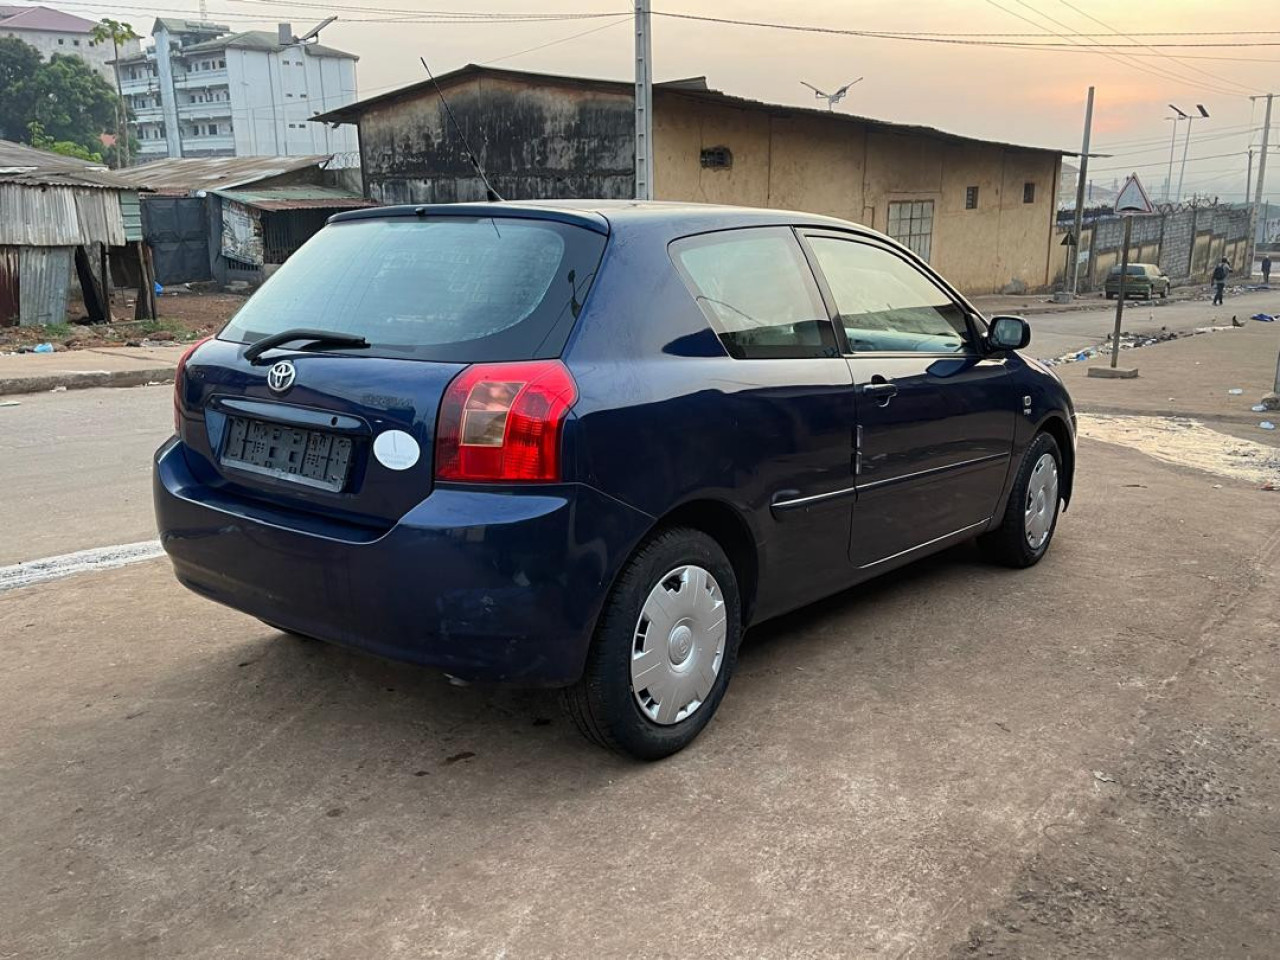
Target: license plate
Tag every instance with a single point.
(310, 457)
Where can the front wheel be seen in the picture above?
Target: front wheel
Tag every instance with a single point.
(664, 648)
(1031, 516)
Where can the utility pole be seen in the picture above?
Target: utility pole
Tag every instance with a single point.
(1257, 196)
(644, 100)
(1248, 180)
(1070, 291)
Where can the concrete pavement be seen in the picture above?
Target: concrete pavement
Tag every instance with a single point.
(890, 771)
(77, 369)
(75, 469)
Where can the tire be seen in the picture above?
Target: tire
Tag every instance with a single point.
(1012, 543)
(605, 704)
(1164, 294)
(1111, 296)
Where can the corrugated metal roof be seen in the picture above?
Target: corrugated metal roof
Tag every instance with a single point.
(86, 179)
(19, 156)
(301, 197)
(351, 112)
(183, 175)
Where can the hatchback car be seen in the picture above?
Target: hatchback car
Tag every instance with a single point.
(587, 445)
(1143, 280)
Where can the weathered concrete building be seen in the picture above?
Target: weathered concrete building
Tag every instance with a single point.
(982, 212)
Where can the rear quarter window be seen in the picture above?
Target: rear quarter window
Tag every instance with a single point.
(756, 290)
(457, 289)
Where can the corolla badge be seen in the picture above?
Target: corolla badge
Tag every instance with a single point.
(281, 376)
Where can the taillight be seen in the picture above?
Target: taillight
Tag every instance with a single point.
(502, 421)
(178, 375)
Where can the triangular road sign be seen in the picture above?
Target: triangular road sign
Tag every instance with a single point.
(1069, 240)
(1133, 199)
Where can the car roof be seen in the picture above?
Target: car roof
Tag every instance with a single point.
(675, 219)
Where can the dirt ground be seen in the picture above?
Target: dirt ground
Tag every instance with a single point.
(184, 316)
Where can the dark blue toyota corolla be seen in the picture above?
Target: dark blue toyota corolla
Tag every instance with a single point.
(587, 444)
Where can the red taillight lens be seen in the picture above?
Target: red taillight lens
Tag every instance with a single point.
(178, 375)
(502, 421)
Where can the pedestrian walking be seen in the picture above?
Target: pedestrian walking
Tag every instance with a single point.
(1266, 269)
(1220, 274)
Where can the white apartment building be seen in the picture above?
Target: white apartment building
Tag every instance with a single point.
(201, 91)
(53, 31)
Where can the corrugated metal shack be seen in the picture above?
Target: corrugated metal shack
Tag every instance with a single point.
(56, 218)
(236, 218)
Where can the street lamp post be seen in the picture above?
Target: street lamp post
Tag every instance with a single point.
(1186, 145)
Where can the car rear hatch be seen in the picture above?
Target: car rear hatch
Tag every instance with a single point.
(375, 316)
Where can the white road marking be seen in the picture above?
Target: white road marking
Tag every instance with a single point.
(82, 561)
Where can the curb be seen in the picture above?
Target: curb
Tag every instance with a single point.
(89, 378)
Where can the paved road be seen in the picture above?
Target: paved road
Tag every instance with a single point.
(1054, 334)
(955, 760)
(75, 469)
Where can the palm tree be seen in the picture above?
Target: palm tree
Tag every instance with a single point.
(118, 33)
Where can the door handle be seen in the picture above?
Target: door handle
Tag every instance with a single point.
(883, 390)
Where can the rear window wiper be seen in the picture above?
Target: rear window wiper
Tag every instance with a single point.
(325, 337)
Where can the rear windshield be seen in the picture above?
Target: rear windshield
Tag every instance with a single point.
(1135, 270)
(449, 288)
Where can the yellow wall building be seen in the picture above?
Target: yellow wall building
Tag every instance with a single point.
(981, 212)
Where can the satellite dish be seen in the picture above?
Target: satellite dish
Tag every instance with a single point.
(831, 98)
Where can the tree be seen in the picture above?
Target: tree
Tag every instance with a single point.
(65, 96)
(117, 33)
(71, 101)
(42, 141)
(18, 64)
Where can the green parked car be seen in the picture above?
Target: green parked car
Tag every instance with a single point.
(1145, 281)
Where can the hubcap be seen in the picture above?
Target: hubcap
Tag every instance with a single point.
(1042, 501)
(678, 646)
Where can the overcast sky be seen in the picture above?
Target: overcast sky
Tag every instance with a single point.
(1028, 96)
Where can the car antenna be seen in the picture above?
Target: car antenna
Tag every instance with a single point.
(490, 193)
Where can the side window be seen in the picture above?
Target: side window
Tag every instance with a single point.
(758, 293)
(885, 303)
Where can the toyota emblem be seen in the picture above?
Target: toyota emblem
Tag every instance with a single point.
(281, 376)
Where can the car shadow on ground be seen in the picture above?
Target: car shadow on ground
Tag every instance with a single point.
(439, 724)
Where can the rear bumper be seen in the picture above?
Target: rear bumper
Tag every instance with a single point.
(482, 584)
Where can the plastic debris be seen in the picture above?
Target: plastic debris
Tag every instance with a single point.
(159, 289)
(1257, 408)
(1235, 391)
(58, 390)
(10, 403)
(43, 348)
(1264, 317)
(1267, 425)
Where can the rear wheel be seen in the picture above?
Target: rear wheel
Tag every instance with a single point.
(664, 649)
(1111, 296)
(1031, 516)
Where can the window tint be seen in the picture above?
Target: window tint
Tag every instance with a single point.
(885, 303)
(449, 288)
(756, 289)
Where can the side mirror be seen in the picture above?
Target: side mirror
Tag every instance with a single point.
(1009, 333)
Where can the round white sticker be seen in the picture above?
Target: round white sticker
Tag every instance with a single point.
(396, 450)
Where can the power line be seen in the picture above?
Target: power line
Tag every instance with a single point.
(1212, 76)
(551, 43)
(1160, 72)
